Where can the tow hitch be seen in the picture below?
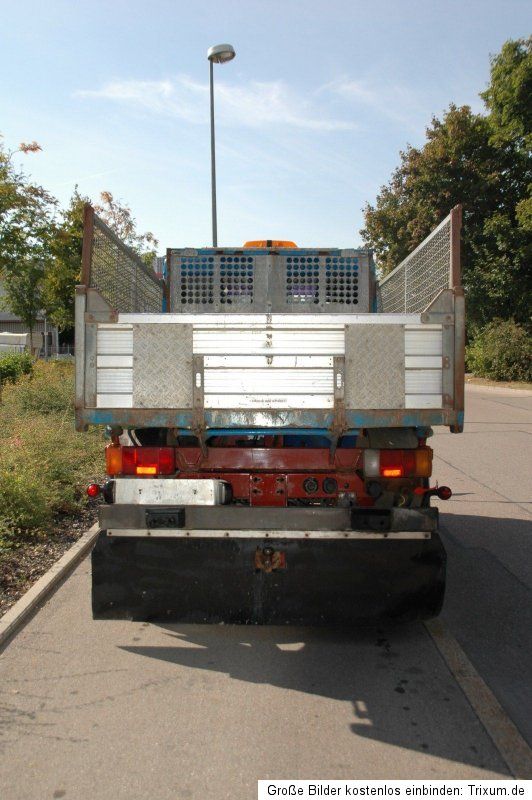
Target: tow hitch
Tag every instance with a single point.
(268, 560)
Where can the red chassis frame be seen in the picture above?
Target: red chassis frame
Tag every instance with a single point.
(271, 476)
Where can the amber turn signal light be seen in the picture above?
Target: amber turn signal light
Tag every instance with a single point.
(113, 459)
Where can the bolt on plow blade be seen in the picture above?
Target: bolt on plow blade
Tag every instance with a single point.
(252, 581)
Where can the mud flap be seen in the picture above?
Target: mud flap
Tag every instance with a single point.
(311, 582)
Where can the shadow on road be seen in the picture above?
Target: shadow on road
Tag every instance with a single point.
(399, 689)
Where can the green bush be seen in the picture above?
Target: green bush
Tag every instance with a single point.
(45, 464)
(502, 351)
(13, 365)
(24, 506)
(49, 390)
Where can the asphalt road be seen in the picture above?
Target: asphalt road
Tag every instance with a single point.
(128, 710)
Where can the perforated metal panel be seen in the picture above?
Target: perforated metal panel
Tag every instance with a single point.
(203, 282)
(236, 280)
(196, 282)
(279, 282)
(341, 280)
(302, 280)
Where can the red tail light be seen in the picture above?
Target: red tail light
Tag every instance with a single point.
(142, 461)
(398, 463)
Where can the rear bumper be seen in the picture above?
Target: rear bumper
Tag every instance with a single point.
(304, 566)
(267, 522)
(213, 580)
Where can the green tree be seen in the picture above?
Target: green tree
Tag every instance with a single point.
(24, 289)
(506, 250)
(455, 164)
(508, 97)
(67, 239)
(40, 253)
(481, 161)
(119, 217)
(26, 212)
(64, 272)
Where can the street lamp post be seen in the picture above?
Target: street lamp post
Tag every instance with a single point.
(218, 54)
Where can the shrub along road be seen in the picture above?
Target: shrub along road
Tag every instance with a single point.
(131, 710)
(44, 469)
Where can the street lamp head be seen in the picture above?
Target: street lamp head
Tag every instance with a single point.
(220, 53)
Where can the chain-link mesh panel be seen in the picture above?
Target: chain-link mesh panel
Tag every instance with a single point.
(120, 275)
(414, 284)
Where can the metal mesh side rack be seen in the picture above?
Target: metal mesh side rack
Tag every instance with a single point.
(434, 265)
(116, 271)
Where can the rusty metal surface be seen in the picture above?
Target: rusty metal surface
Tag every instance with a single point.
(80, 304)
(267, 490)
(277, 419)
(88, 234)
(269, 560)
(229, 518)
(270, 459)
(277, 489)
(198, 395)
(455, 266)
(459, 360)
(448, 365)
(234, 517)
(90, 344)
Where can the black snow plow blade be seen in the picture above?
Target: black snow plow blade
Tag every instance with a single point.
(267, 581)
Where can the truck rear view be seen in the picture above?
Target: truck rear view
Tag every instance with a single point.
(269, 409)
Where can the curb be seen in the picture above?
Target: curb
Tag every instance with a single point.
(508, 391)
(23, 608)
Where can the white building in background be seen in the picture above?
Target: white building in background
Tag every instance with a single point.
(10, 323)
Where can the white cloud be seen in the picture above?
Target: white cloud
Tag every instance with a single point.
(394, 101)
(255, 104)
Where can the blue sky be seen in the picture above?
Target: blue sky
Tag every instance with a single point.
(310, 115)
